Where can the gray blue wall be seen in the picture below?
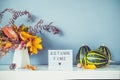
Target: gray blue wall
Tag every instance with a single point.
(92, 22)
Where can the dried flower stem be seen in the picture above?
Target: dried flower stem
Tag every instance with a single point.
(16, 14)
(37, 28)
(40, 26)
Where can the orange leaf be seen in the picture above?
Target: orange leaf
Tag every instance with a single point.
(28, 66)
(7, 45)
(33, 67)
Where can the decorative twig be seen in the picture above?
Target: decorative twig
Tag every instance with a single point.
(16, 14)
(40, 26)
(37, 28)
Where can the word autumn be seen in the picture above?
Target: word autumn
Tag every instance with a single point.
(59, 56)
(60, 53)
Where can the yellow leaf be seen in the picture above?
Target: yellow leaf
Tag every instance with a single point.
(33, 42)
(36, 43)
(25, 36)
(29, 44)
(37, 40)
(33, 50)
(90, 67)
(39, 46)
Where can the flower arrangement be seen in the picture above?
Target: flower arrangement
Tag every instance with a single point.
(11, 35)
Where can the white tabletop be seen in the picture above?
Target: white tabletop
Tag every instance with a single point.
(42, 73)
(45, 68)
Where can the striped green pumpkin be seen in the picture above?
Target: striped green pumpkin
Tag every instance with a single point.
(81, 55)
(97, 58)
(106, 51)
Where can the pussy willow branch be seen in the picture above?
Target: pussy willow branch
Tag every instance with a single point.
(16, 14)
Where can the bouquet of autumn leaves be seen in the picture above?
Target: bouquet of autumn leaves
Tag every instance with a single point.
(11, 36)
(19, 36)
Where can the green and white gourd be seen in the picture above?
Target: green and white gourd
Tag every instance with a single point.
(81, 55)
(104, 49)
(97, 58)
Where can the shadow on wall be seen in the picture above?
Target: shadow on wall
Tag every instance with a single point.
(42, 56)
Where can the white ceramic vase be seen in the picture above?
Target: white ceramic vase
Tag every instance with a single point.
(21, 57)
